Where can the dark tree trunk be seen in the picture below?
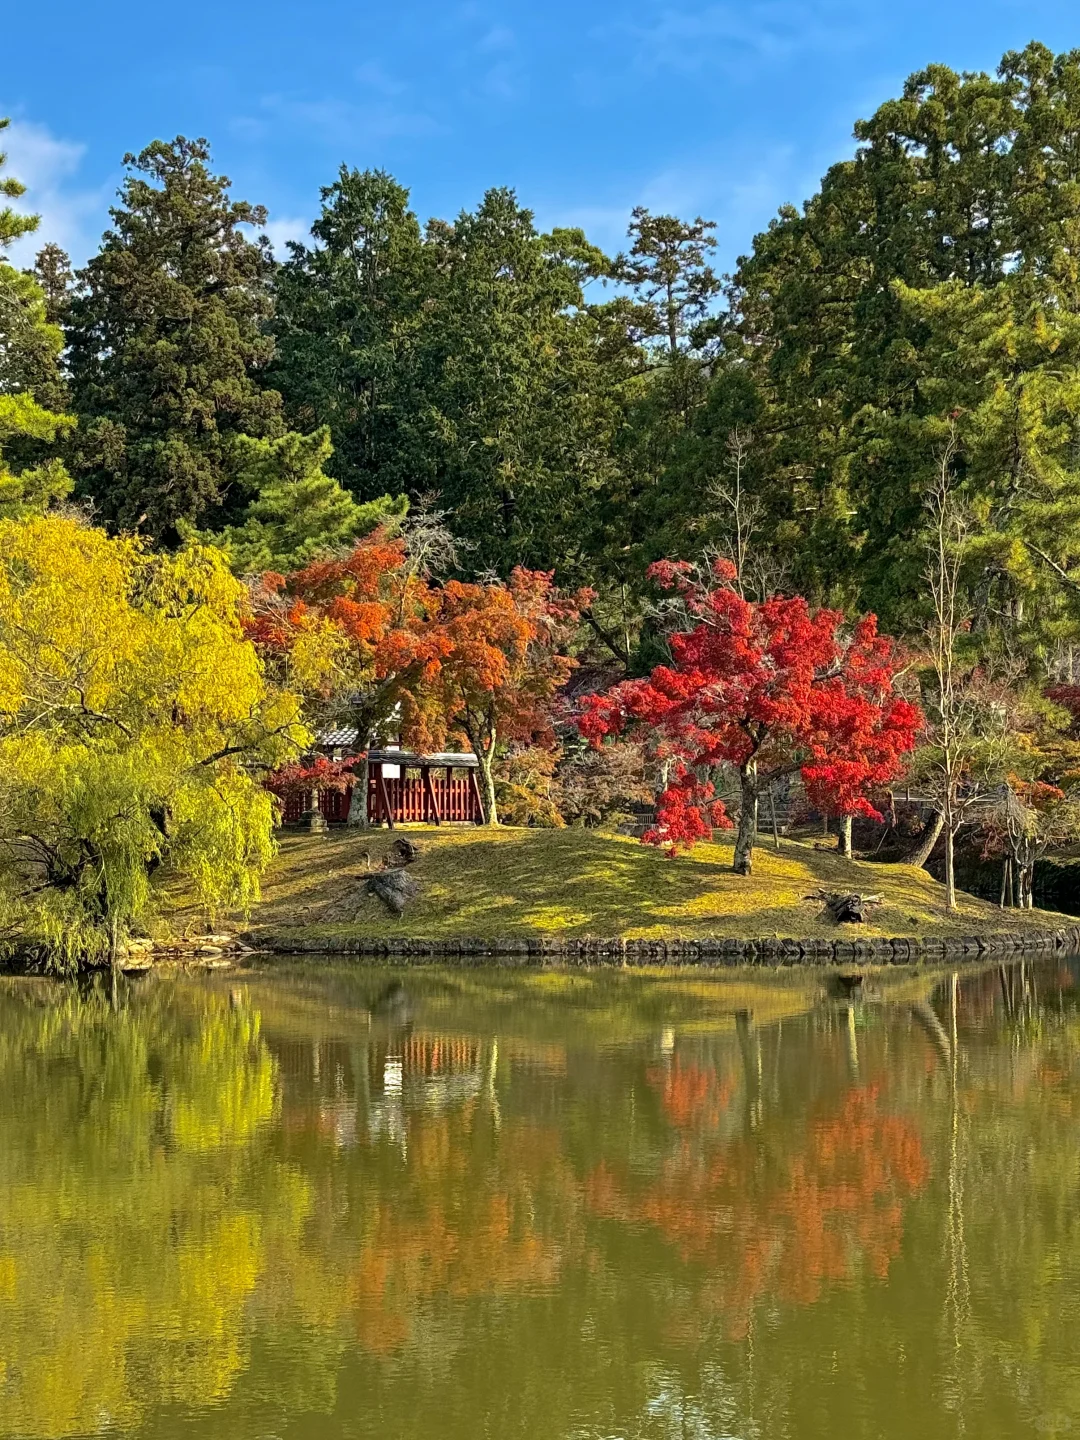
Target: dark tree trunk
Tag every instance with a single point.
(747, 831)
(927, 840)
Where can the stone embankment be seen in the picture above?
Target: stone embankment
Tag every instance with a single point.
(717, 952)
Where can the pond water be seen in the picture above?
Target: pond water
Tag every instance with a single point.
(340, 1202)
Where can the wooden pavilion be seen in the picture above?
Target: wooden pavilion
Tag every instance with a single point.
(403, 787)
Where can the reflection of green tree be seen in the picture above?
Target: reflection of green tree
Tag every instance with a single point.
(133, 1202)
(1017, 1113)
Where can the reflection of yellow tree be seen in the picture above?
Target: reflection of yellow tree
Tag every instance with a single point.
(131, 1214)
(785, 1223)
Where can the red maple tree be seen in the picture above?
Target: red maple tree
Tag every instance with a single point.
(767, 689)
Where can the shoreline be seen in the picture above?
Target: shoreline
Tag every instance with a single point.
(705, 952)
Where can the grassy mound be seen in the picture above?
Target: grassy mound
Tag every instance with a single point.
(563, 883)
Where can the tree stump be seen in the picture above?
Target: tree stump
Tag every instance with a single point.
(401, 852)
(843, 908)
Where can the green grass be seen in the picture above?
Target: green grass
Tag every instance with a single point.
(510, 883)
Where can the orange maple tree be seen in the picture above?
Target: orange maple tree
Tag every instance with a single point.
(370, 635)
(495, 657)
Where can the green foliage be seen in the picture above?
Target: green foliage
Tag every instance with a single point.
(30, 384)
(298, 511)
(134, 719)
(935, 272)
(12, 222)
(462, 361)
(168, 339)
(666, 267)
(347, 311)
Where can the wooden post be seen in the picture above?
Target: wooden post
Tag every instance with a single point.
(384, 799)
(429, 791)
(371, 801)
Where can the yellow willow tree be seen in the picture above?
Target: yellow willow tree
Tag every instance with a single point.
(135, 721)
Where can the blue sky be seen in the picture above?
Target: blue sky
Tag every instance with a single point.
(588, 108)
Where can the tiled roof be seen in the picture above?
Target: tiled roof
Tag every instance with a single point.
(340, 738)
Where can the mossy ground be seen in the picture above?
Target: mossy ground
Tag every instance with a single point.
(511, 883)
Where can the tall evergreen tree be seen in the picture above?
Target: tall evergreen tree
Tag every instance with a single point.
(53, 272)
(347, 311)
(31, 387)
(517, 416)
(964, 181)
(168, 345)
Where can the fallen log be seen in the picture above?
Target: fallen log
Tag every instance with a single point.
(394, 888)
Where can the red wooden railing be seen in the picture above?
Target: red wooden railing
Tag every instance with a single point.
(450, 798)
(455, 797)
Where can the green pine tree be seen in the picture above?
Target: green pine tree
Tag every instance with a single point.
(169, 343)
(31, 387)
(298, 511)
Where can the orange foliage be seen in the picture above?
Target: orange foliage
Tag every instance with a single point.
(799, 1223)
(693, 1096)
(479, 659)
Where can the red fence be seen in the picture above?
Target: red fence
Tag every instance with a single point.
(334, 804)
(410, 799)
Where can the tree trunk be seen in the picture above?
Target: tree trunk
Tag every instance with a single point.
(747, 831)
(775, 827)
(950, 870)
(358, 816)
(845, 836)
(1004, 882)
(487, 784)
(927, 840)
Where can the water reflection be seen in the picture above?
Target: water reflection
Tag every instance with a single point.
(334, 1202)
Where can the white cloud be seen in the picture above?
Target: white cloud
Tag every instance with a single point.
(280, 230)
(338, 122)
(72, 216)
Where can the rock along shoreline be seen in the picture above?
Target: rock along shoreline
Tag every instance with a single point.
(704, 952)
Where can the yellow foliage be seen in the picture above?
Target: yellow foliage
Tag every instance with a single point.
(134, 717)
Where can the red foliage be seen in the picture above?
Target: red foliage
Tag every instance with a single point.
(808, 1218)
(321, 774)
(767, 689)
(1068, 697)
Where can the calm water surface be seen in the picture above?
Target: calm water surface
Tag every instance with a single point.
(322, 1202)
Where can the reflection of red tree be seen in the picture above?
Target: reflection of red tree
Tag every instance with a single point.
(693, 1096)
(788, 1224)
(465, 1223)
